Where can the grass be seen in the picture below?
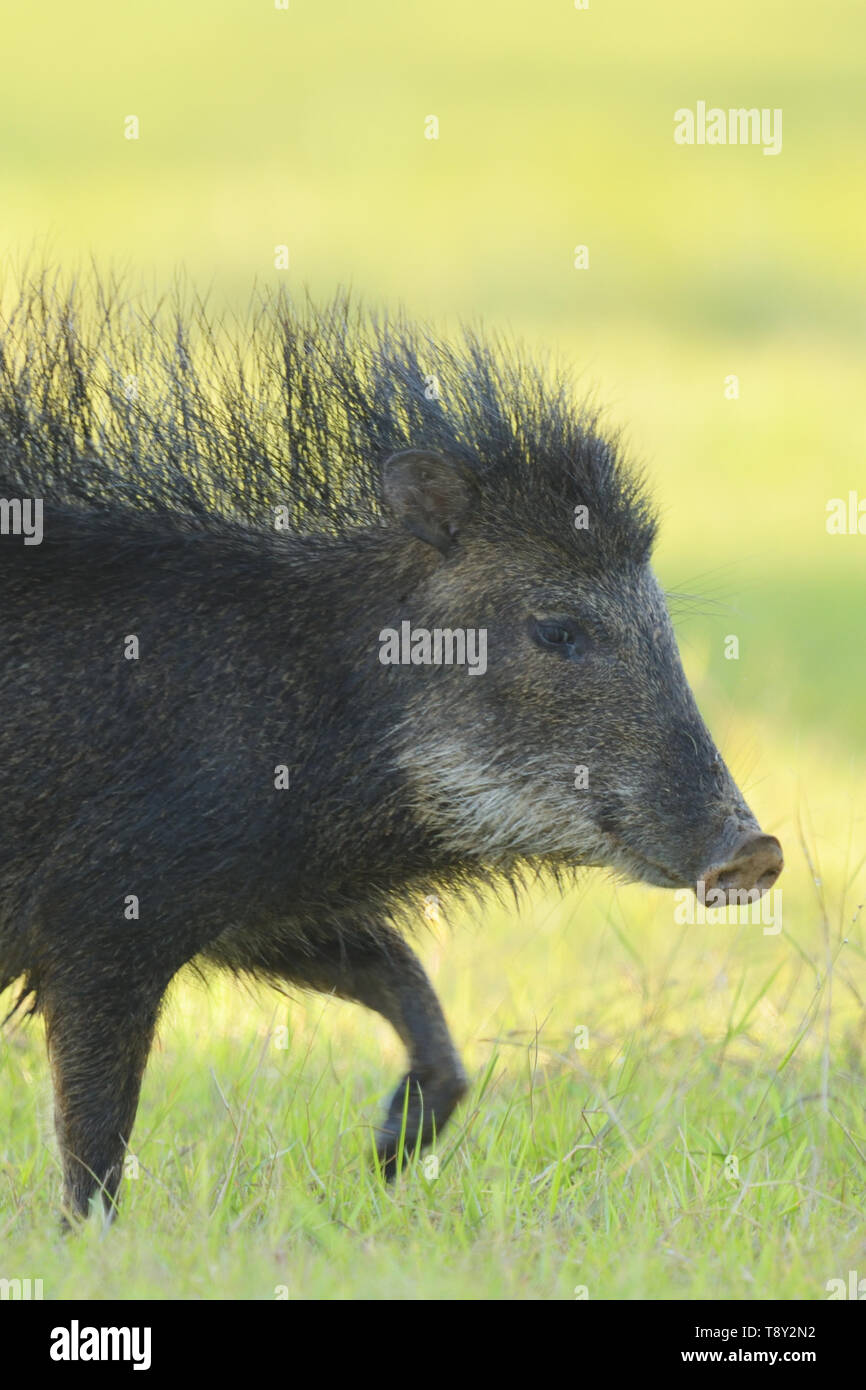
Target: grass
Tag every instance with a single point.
(605, 1167)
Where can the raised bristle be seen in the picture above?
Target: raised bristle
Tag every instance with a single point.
(108, 402)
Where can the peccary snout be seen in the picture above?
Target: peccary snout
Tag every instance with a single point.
(752, 863)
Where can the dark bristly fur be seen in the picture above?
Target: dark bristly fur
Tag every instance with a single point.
(423, 481)
(297, 406)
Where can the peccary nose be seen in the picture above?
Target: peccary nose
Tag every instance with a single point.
(754, 862)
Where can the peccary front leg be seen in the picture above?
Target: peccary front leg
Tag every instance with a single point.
(98, 1040)
(375, 967)
(436, 1080)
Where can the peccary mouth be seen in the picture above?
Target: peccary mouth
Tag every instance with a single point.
(643, 870)
(752, 867)
(633, 863)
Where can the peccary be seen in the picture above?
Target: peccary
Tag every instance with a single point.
(205, 752)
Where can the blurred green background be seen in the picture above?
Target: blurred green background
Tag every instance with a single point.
(306, 127)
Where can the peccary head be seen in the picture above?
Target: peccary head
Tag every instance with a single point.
(580, 742)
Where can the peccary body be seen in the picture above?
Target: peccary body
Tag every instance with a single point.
(205, 751)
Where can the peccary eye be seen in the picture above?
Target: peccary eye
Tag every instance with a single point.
(552, 634)
(559, 635)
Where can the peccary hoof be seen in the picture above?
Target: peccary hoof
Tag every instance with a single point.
(431, 1099)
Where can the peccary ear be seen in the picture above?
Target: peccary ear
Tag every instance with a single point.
(429, 494)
